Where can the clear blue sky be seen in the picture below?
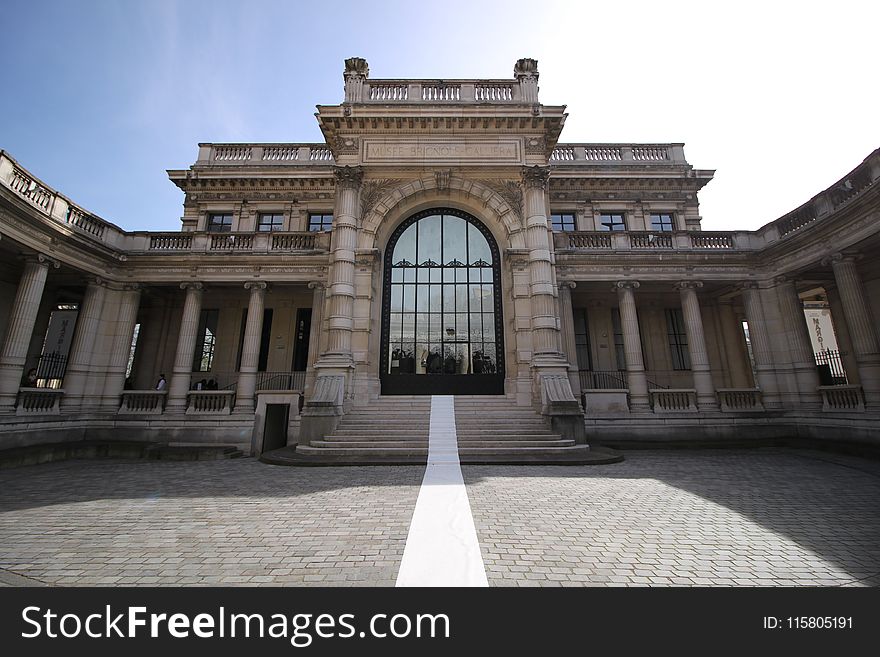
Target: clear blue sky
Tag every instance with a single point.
(100, 97)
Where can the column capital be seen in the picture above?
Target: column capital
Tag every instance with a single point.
(784, 279)
(348, 177)
(256, 285)
(747, 285)
(317, 285)
(133, 287)
(192, 285)
(837, 258)
(626, 285)
(567, 284)
(535, 177)
(688, 285)
(42, 259)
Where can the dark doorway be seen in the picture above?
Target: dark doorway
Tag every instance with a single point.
(441, 320)
(275, 426)
(301, 340)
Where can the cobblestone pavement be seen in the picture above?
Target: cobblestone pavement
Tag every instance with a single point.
(659, 518)
(204, 523)
(676, 518)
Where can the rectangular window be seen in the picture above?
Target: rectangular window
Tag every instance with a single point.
(678, 343)
(270, 222)
(612, 221)
(203, 358)
(662, 222)
(319, 222)
(219, 223)
(619, 352)
(563, 221)
(582, 339)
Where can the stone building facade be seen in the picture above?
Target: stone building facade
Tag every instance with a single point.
(441, 241)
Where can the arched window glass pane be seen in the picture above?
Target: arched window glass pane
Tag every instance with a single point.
(405, 249)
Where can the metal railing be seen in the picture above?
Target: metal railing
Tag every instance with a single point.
(281, 381)
(829, 362)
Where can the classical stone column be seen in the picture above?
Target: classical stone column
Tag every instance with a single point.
(761, 350)
(693, 322)
(341, 283)
(121, 348)
(250, 348)
(20, 328)
(569, 343)
(314, 332)
(862, 330)
(738, 366)
(637, 381)
(82, 348)
(545, 331)
(186, 344)
(800, 348)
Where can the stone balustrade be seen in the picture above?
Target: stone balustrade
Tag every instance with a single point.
(55, 206)
(438, 92)
(210, 402)
(740, 399)
(647, 240)
(264, 154)
(206, 242)
(842, 399)
(673, 400)
(142, 402)
(579, 154)
(39, 401)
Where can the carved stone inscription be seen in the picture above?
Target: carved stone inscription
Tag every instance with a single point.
(472, 151)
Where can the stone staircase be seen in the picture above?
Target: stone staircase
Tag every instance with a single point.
(394, 429)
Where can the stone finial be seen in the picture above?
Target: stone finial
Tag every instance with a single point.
(356, 66)
(356, 72)
(526, 68)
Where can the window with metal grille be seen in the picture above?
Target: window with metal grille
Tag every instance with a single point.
(582, 339)
(203, 358)
(662, 222)
(678, 342)
(563, 221)
(219, 223)
(612, 221)
(319, 222)
(270, 222)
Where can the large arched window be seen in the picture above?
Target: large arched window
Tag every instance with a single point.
(441, 324)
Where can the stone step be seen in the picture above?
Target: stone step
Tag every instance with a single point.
(511, 451)
(512, 445)
(507, 436)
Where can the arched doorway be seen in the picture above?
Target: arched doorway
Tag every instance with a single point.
(441, 307)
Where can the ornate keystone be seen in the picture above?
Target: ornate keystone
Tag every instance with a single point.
(536, 176)
(349, 177)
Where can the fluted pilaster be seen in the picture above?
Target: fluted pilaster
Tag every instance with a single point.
(800, 348)
(20, 328)
(186, 344)
(250, 348)
(762, 351)
(699, 355)
(637, 381)
(82, 349)
(126, 319)
(862, 329)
